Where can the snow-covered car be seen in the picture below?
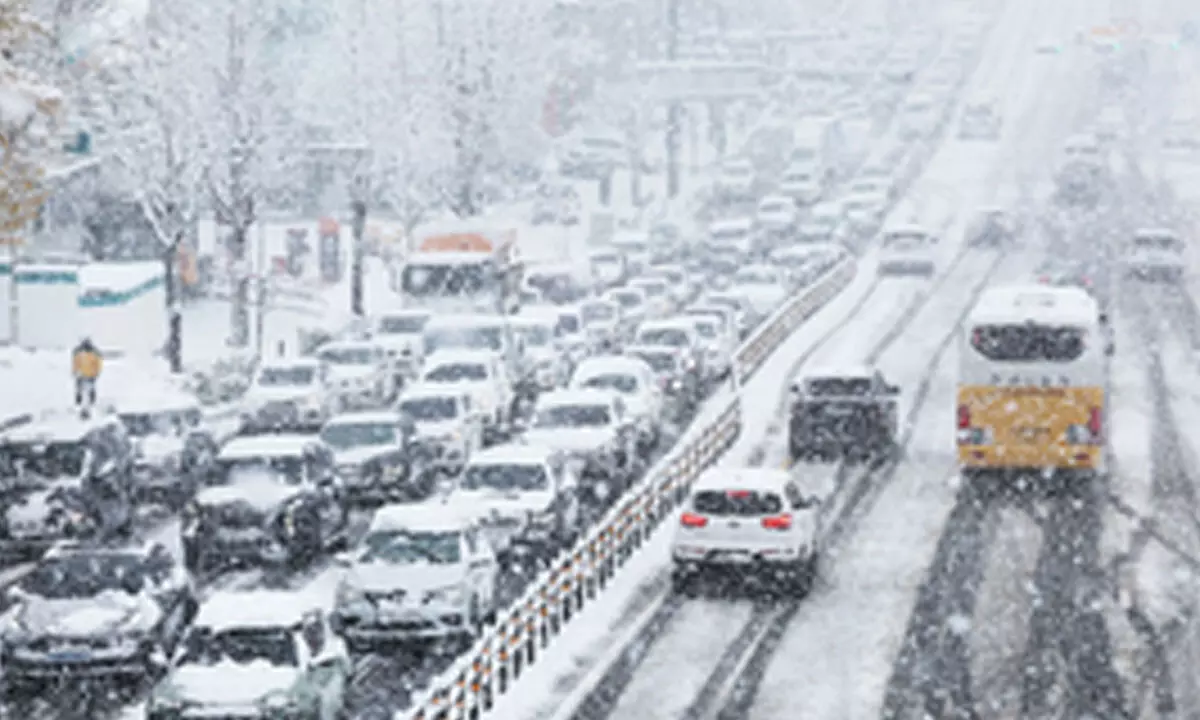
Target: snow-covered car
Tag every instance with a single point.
(174, 450)
(420, 573)
(718, 339)
(637, 248)
(737, 233)
(824, 224)
(257, 654)
(680, 284)
(980, 119)
(490, 332)
(908, 249)
(278, 503)
(556, 283)
(920, 116)
(401, 334)
(604, 322)
(881, 174)
(447, 423)
(633, 305)
(593, 154)
(479, 374)
(737, 301)
(776, 214)
(569, 336)
(635, 381)
(1155, 253)
(801, 184)
(763, 285)
(680, 335)
(559, 204)
(992, 227)
(378, 457)
(735, 180)
(749, 520)
(864, 211)
(89, 612)
(609, 268)
(288, 394)
(682, 389)
(64, 477)
(550, 364)
(526, 499)
(659, 302)
(360, 373)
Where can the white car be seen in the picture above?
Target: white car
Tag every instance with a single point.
(881, 175)
(737, 233)
(717, 337)
(549, 364)
(824, 224)
(919, 116)
(609, 268)
(421, 572)
(592, 428)
(678, 334)
(680, 285)
(908, 249)
(288, 393)
(763, 285)
(636, 246)
(749, 518)
(634, 309)
(603, 322)
(801, 184)
(360, 373)
(401, 334)
(777, 213)
(1156, 253)
(637, 384)
(980, 120)
(490, 332)
(446, 421)
(659, 302)
(567, 321)
(480, 374)
(736, 180)
(864, 211)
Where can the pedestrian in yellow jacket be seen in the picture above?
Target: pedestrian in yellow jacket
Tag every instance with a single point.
(86, 364)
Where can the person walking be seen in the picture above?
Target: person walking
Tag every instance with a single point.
(86, 364)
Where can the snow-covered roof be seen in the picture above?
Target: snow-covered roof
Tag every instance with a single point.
(155, 400)
(512, 454)
(410, 313)
(278, 445)
(905, 228)
(733, 225)
(549, 313)
(575, 396)
(675, 323)
(1043, 303)
(770, 200)
(233, 609)
(742, 478)
(627, 291)
(609, 365)
(349, 345)
(258, 488)
(284, 363)
(55, 426)
(648, 281)
(1155, 233)
(534, 321)
(465, 321)
(452, 356)
(421, 390)
(630, 237)
(421, 517)
(363, 417)
(651, 350)
(848, 371)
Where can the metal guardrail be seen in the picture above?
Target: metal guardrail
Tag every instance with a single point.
(468, 688)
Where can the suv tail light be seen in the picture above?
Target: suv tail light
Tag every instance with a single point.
(692, 520)
(778, 522)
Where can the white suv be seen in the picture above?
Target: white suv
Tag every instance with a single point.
(421, 572)
(1156, 254)
(748, 519)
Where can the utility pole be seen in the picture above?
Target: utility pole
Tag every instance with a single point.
(358, 225)
(171, 289)
(675, 109)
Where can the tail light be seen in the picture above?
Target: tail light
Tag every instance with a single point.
(692, 520)
(1044, 279)
(1086, 281)
(778, 522)
(964, 417)
(1095, 423)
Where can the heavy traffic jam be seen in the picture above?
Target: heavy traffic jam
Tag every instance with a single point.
(435, 457)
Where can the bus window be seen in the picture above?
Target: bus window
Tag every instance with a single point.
(1028, 343)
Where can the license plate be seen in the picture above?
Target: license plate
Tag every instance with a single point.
(733, 556)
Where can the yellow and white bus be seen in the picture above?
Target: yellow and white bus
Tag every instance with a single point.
(1032, 382)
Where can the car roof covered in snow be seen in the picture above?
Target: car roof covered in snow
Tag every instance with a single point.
(574, 396)
(291, 362)
(731, 225)
(1035, 302)
(258, 608)
(419, 390)
(1155, 232)
(533, 321)
(626, 290)
(674, 323)
(422, 517)
(591, 367)
(405, 313)
(439, 257)
(348, 344)
(57, 426)
(906, 228)
(454, 356)
(464, 321)
(363, 416)
(512, 454)
(776, 200)
(734, 477)
(260, 488)
(848, 371)
(630, 237)
(651, 350)
(550, 313)
(271, 445)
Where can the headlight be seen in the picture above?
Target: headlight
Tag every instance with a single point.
(451, 595)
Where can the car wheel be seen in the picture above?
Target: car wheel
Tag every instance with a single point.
(803, 577)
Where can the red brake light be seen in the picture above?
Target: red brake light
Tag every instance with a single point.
(964, 417)
(1045, 279)
(1087, 282)
(738, 494)
(778, 522)
(693, 520)
(1095, 422)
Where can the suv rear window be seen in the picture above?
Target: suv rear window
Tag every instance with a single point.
(738, 503)
(839, 387)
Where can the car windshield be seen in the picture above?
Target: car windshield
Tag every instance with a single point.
(707, 330)
(736, 503)
(671, 337)
(406, 547)
(729, 233)
(349, 355)
(242, 646)
(347, 435)
(776, 206)
(568, 324)
(469, 338)
(286, 468)
(168, 422)
(85, 575)
(447, 280)
(54, 459)
(753, 277)
(1158, 242)
(430, 409)
(402, 324)
(287, 376)
(573, 416)
(628, 299)
(505, 477)
(612, 381)
(458, 372)
(598, 312)
(535, 335)
(905, 240)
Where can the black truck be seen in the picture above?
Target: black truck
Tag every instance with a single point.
(850, 416)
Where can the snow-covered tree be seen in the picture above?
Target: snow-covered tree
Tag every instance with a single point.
(28, 109)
